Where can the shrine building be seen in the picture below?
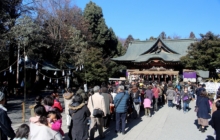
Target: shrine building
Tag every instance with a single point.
(155, 59)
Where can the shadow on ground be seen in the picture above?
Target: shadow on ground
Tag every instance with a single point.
(210, 138)
(110, 132)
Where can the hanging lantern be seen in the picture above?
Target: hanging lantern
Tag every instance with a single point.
(150, 76)
(155, 76)
(82, 66)
(63, 73)
(69, 72)
(55, 73)
(5, 73)
(50, 80)
(26, 58)
(174, 76)
(65, 79)
(10, 69)
(37, 72)
(36, 67)
(76, 68)
(57, 81)
(161, 76)
(19, 62)
(13, 72)
(44, 77)
(167, 75)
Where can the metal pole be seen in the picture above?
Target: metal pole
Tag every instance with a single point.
(24, 85)
(17, 76)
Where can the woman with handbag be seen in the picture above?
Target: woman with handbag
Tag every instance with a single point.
(203, 111)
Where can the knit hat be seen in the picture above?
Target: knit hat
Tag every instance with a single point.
(2, 96)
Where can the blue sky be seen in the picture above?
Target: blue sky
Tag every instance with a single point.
(145, 18)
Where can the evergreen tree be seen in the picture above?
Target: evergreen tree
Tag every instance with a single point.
(192, 35)
(163, 35)
(103, 37)
(128, 40)
(204, 54)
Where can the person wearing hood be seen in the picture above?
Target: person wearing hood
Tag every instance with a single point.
(79, 113)
(5, 122)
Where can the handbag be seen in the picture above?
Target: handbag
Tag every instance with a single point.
(97, 113)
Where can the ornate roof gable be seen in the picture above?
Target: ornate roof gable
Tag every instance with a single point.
(159, 47)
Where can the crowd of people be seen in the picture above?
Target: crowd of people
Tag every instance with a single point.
(119, 102)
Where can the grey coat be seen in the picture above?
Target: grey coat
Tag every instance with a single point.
(170, 94)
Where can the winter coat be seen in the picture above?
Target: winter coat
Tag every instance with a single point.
(5, 125)
(214, 108)
(42, 132)
(34, 119)
(203, 107)
(147, 103)
(170, 94)
(108, 100)
(156, 92)
(136, 97)
(56, 126)
(149, 94)
(48, 108)
(67, 97)
(215, 123)
(98, 103)
(57, 104)
(79, 114)
(121, 106)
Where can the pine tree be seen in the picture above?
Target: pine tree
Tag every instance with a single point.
(192, 35)
(128, 40)
(163, 35)
(204, 54)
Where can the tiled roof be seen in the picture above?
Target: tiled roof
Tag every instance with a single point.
(136, 51)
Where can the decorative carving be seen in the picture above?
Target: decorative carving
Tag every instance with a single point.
(159, 69)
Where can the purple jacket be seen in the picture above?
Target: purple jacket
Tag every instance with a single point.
(149, 94)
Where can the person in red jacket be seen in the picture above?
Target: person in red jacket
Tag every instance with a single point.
(56, 103)
(156, 96)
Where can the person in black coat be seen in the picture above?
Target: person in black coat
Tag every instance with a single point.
(5, 122)
(204, 111)
(215, 121)
(79, 113)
